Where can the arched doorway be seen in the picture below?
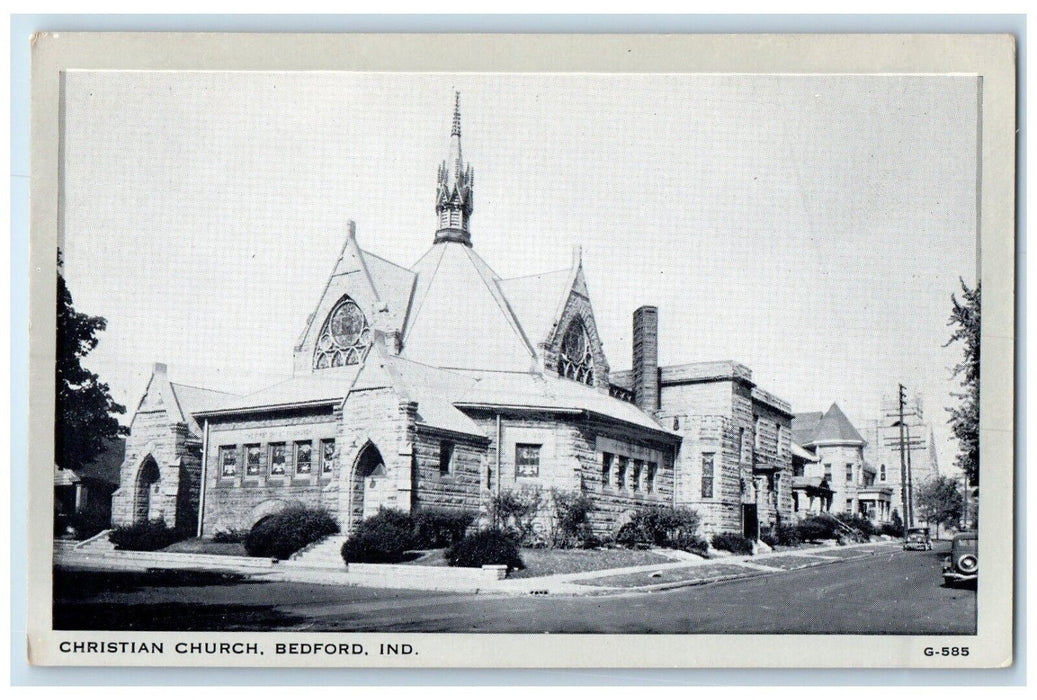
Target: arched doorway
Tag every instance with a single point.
(376, 489)
(147, 476)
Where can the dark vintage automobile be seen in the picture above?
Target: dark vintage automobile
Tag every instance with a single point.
(918, 538)
(962, 566)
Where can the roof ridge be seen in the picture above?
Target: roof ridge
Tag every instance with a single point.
(536, 274)
(203, 388)
(424, 296)
(498, 297)
(384, 260)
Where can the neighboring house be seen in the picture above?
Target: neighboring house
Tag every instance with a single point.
(444, 384)
(87, 490)
(840, 468)
(883, 448)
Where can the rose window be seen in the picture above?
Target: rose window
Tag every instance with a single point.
(575, 360)
(345, 337)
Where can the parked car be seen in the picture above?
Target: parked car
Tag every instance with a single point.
(918, 538)
(962, 565)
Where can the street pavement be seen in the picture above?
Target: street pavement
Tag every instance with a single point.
(890, 592)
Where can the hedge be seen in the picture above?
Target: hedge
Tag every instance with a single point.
(145, 537)
(486, 547)
(732, 542)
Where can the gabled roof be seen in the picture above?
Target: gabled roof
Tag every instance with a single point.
(459, 318)
(831, 428)
(324, 387)
(194, 399)
(527, 391)
(535, 299)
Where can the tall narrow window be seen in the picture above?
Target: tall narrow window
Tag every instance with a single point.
(253, 457)
(828, 472)
(635, 476)
(527, 460)
(606, 467)
(707, 475)
(849, 473)
(650, 477)
(741, 445)
(229, 460)
(303, 457)
(344, 338)
(621, 472)
(446, 457)
(575, 360)
(882, 472)
(327, 456)
(277, 459)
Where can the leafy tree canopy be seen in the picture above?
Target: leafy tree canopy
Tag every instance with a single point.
(940, 501)
(964, 420)
(85, 412)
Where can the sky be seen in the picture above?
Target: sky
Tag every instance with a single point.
(810, 227)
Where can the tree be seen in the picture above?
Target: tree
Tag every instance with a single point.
(84, 411)
(939, 501)
(964, 418)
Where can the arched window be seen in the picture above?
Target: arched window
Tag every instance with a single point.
(344, 338)
(575, 360)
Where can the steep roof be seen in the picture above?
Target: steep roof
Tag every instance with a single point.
(832, 427)
(459, 318)
(535, 299)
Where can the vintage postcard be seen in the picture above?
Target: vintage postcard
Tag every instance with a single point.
(522, 351)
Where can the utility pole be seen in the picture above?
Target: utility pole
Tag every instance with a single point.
(903, 459)
(910, 476)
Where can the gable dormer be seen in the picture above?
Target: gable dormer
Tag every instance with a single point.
(572, 349)
(364, 295)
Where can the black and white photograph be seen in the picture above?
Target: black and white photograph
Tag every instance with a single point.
(512, 353)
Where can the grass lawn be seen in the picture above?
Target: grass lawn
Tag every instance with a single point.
(202, 545)
(544, 562)
(701, 573)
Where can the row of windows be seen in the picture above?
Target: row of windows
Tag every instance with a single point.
(282, 457)
(616, 468)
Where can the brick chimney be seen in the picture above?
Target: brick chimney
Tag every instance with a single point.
(646, 358)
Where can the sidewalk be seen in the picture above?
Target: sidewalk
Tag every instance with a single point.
(689, 570)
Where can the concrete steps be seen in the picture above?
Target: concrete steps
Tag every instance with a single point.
(326, 554)
(98, 544)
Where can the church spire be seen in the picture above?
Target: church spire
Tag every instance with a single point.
(454, 201)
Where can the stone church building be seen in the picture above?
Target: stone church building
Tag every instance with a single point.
(439, 385)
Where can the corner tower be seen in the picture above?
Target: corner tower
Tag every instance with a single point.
(454, 201)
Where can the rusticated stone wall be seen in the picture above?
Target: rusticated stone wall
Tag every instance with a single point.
(238, 502)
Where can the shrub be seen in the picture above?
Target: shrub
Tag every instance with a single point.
(787, 535)
(145, 537)
(691, 543)
(732, 542)
(281, 535)
(439, 528)
(892, 529)
(769, 538)
(517, 511)
(572, 520)
(230, 536)
(380, 539)
(660, 526)
(816, 528)
(483, 548)
(858, 522)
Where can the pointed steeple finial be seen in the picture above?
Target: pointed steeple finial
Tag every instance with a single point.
(456, 130)
(454, 182)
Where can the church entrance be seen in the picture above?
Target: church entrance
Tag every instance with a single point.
(147, 477)
(376, 488)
